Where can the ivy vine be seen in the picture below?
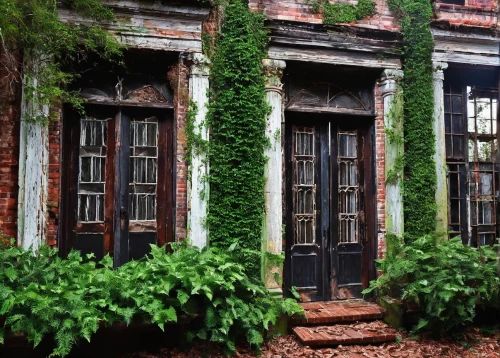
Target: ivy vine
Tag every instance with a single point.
(334, 13)
(237, 117)
(394, 134)
(418, 94)
(33, 28)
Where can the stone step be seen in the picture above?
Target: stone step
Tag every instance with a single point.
(338, 312)
(350, 334)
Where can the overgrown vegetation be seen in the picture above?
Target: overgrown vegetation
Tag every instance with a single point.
(33, 29)
(395, 138)
(448, 280)
(334, 13)
(418, 97)
(69, 299)
(195, 142)
(237, 118)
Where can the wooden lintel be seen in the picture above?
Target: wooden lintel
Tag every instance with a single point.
(353, 112)
(466, 58)
(130, 104)
(334, 57)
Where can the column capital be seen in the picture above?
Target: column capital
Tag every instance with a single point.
(199, 64)
(438, 68)
(273, 70)
(389, 81)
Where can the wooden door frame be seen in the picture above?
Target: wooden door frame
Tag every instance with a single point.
(366, 128)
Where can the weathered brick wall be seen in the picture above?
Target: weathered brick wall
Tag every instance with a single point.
(483, 13)
(300, 10)
(179, 80)
(9, 148)
(53, 195)
(380, 169)
(475, 13)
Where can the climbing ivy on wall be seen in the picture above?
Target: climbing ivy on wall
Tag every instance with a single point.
(394, 135)
(237, 117)
(334, 13)
(32, 28)
(420, 183)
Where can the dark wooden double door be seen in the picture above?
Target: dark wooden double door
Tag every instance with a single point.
(330, 207)
(117, 170)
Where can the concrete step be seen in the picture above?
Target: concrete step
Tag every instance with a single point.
(338, 312)
(350, 334)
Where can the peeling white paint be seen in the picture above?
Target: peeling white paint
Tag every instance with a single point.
(393, 195)
(198, 187)
(33, 174)
(273, 170)
(440, 151)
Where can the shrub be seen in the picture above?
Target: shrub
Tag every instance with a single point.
(44, 295)
(447, 279)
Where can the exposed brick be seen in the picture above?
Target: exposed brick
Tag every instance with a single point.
(328, 312)
(300, 10)
(52, 214)
(9, 147)
(359, 333)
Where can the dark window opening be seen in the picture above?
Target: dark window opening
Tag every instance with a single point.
(471, 137)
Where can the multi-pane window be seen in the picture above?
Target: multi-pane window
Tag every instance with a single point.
(348, 189)
(143, 168)
(483, 167)
(471, 151)
(91, 180)
(304, 186)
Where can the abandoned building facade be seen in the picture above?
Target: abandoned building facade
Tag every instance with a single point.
(331, 88)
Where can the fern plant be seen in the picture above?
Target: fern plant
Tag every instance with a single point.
(69, 299)
(448, 280)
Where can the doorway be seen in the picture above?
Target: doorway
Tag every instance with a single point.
(330, 206)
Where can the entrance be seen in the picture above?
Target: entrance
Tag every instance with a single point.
(330, 206)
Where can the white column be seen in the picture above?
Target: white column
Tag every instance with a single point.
(199, 188)
(33, 170)
(273, 171)
(394, 149)
(440, 154)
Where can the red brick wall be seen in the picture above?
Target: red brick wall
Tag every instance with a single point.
(9, 148)
(380, 169)
(179, 80)
(300, 10)
(475, 13)
(53, 195)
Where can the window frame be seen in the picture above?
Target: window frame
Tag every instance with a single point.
(461, 168)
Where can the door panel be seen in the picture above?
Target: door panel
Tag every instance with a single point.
(347, 241)
(307, 185)
(327, 225)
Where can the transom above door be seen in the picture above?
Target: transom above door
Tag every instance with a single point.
(329, 207)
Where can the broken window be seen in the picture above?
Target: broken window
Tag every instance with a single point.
(91, 188)
(471, 151)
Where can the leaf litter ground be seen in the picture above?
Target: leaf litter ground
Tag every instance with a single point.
(472, 343)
